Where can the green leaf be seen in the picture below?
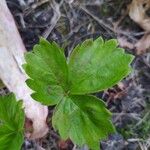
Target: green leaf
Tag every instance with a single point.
(47, 68)
(83, 119)
(97, 65)
(12, 120)
(93, 66)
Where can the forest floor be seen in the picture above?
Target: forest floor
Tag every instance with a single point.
(69, 22)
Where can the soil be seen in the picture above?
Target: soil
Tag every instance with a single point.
(71, 24)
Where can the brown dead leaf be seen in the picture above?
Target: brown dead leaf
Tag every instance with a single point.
(137, 12)
(124, 43)
(143, 44)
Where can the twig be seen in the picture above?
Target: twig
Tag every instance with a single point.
(22, 3)
(119, 115)
(54, 20)
(102, 23)
(30, 9)
(21, 20)
(143, 120)
(105, 25)
(134, 140)
(35, 5)
(142, 146)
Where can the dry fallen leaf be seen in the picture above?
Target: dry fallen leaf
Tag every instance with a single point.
(124, 43)
(143, 44)
(137, 12)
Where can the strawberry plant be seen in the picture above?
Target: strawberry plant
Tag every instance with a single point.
(92, 66)
(11, 123)
(68, 84)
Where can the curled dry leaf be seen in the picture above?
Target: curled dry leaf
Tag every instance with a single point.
(11, 58)
(137, 12)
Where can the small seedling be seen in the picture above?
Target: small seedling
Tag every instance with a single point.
(93, 66)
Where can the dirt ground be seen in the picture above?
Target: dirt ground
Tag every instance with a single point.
(69, 22)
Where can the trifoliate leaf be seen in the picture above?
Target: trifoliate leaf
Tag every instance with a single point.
(11, 123)
(97, 65)
(83, 119)
(93, 66)
(47, 68)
